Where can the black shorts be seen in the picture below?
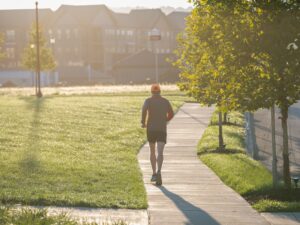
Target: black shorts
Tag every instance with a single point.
(156, 136)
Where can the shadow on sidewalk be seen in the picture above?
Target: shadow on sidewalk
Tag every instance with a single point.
(197, 120)
(194, 214)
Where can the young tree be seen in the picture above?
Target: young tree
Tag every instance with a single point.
(275, 65)
(2, 53)
(29, 57)
(281, 24)
(207, 58)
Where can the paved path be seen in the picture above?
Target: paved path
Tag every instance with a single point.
(282, 218)
(191, 192)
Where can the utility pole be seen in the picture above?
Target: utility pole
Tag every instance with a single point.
(38, 66)
(155, 36)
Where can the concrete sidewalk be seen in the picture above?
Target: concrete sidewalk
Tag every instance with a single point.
(191, 192)
(282, 218)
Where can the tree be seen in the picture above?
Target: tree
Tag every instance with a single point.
(2, 53)
(207, 59)
(281, 29)
(243, 55)
(29, 57)
(275, 65)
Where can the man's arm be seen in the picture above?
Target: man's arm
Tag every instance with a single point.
(170, 113)
(144, 113)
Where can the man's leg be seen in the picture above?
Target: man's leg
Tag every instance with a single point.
(153, 157)
(160, 157)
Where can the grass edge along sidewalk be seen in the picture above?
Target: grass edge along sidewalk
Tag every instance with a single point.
(240, 172)
(26, 216)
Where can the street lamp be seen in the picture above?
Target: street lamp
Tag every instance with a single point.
(155, 36)
(38, 66)
(32, 46)
(52, 43)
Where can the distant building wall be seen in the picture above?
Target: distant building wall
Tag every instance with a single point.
(83, 36)
(140, 75)
(27, 78)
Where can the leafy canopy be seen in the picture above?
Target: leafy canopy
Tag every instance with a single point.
(2, 53)
(29, 57)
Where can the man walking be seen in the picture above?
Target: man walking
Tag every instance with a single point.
(158, 111)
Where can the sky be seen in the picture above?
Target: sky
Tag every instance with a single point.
(54, 4)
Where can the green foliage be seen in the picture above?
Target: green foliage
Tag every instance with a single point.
(208, 58)
(29, 57)
(31, 217)
(267, 205)
(227, 54)
(2, 53)
(280, 27)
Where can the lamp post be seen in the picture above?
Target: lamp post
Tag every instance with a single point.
(155, 36)
(38, 66)
(34, 79)
(52, 43)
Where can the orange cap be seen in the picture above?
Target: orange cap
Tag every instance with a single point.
(155, 88)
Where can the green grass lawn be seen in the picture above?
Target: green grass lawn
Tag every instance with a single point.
(245, 175)
(73, 150)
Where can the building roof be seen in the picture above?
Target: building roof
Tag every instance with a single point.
(177, 19)
(145, 18)
(143, 59)
(123, 20)
(83, 14)
(22, 18)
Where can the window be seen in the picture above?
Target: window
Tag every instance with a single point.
(67, 51)
(129, 32)
(10, 35)
(76, 51)
(10, 53)
(59, 50)
(76, 33)
(68, 34)
(58, 34)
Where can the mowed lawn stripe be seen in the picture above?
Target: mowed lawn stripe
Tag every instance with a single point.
(73, 150)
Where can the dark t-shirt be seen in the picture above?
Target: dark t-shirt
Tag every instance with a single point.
(159, 111)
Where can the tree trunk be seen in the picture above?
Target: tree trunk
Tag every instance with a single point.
(285, 152)
(255, 153)
(221, 141)
(225, 118)
(274, 156)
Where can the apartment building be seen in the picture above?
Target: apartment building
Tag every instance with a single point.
(93, 44)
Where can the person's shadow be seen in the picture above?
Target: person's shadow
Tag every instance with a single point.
(194, 214)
